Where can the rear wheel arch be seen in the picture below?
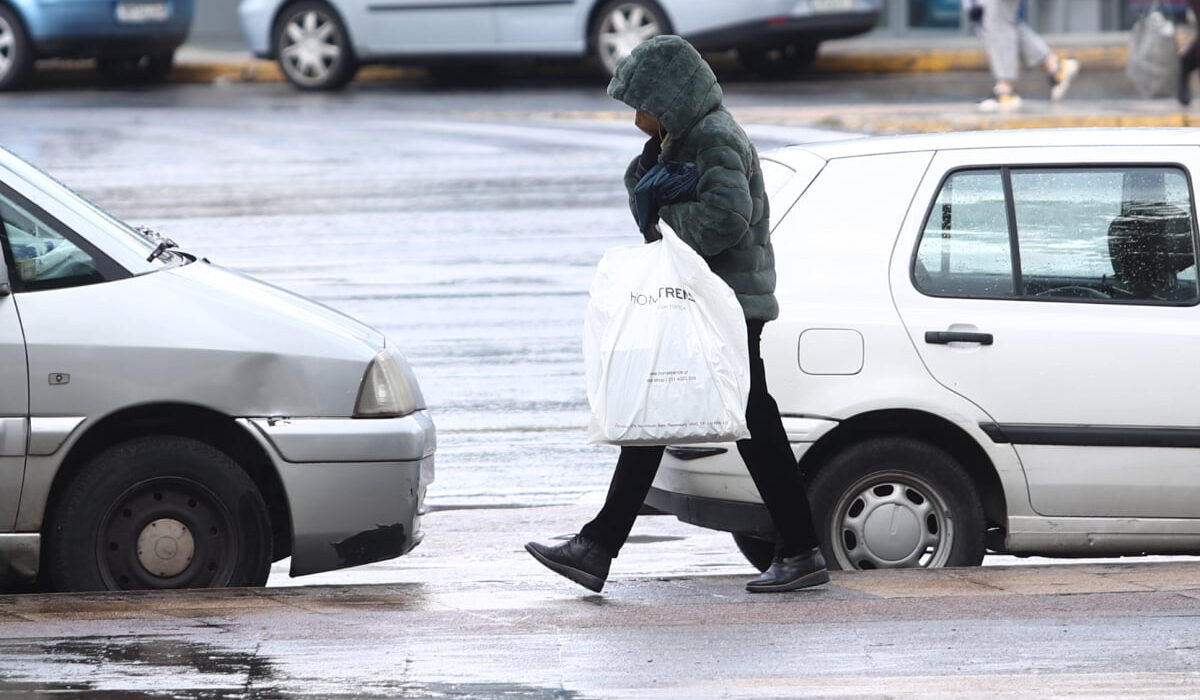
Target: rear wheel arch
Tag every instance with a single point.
(928, 428)
(188, 421)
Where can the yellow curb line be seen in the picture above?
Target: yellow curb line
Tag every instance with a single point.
(969, 123)
(931, 61)
(940, 61)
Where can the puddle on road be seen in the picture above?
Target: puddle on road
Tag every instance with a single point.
(136, 668)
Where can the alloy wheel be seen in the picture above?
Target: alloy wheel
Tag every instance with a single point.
(311, 47)
(8, 46)
(623, 28)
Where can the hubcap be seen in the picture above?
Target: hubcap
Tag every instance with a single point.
(165, 547)
(625, 27)
(891, 520)
(167, 532)
(8, 44)
(310, 47)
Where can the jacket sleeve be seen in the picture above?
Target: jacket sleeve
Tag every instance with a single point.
(631, 181)
(721, 214)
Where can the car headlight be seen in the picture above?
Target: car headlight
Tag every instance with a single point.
(388, 388)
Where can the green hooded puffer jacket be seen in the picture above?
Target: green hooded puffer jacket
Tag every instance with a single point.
(727, 224)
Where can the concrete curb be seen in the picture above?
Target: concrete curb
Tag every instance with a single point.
(206, 66)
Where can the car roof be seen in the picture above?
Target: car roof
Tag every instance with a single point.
(1001, 138)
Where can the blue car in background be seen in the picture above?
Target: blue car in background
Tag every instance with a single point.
(133, 41)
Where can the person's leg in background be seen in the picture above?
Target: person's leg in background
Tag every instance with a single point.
(1036, 52)
(1000, 41)
(1189, 61)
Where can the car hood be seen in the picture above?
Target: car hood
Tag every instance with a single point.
(196, 334)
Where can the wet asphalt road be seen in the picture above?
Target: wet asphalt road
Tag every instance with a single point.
(466, 227)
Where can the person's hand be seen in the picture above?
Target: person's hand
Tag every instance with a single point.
(650, 153)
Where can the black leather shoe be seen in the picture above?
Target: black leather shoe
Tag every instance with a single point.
(791, 573)
(580, 559)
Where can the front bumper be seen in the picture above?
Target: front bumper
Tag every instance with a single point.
(355, 486)
(766, 34)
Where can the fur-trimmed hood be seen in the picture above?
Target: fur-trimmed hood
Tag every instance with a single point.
(668, 79)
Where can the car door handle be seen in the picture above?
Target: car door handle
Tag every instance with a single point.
(944, 337)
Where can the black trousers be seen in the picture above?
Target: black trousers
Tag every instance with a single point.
(767, 454)
(1190, 59)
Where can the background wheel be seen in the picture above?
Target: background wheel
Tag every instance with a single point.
(16, 53)
(136, 70)
(159, 512)
(897, 502)
(758, 552)
(313, 47)
(623, 24)
(780, 63)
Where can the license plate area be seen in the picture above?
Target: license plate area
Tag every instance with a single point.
(142, 12)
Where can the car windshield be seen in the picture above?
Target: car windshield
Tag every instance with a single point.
(139, 242)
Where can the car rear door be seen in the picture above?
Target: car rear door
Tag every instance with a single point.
(14, 399)
(408, 27)
(1056, 288)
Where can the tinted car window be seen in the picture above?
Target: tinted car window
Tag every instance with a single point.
(1077, 234)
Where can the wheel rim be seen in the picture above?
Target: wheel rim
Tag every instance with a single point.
(623, 29)
(310, 47)
(167, 532)
(889, 520)
(8, 46)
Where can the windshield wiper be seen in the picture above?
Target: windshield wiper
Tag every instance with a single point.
(164, 243)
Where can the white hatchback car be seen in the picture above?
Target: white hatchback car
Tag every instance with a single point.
(168, 423)
(320, 43)
(985, 343)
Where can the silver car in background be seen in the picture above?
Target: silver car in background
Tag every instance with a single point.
(321, 43)
(167, 423)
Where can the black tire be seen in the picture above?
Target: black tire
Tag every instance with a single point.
(326, 60)
(136, 70)
(897, 502)
(758, 552)
(779, 63)
(611, 43)
(199, 510)
(16, 53)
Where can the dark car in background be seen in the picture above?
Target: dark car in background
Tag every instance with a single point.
(321, 43)
(132, 40)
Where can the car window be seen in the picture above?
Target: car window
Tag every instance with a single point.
(40, 253)
(1077, 234)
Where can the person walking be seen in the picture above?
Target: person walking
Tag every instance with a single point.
(1189, 60)
(1009, 39)
(724, 217)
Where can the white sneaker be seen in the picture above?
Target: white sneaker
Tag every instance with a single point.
(1060, 82)
(1002, 102)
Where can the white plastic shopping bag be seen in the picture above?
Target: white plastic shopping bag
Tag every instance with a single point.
(665, 349)
(1153, 54)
